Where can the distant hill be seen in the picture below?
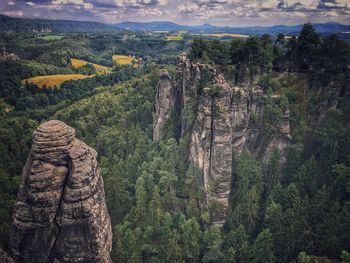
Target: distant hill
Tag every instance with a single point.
(207, 28)
(151, 26)
(64, 26)
(56, 26)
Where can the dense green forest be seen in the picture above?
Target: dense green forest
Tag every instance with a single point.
(298, 214)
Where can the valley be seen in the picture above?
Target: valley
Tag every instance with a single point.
(133, 146)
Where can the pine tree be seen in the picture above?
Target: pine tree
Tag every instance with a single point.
(238, 245)
(272, 174)
(212, 243)
(263, 250)
(247, 192)
(140, 194)
(154, 210)
(191, 235)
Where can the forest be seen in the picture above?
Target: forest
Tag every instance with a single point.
(299, 213)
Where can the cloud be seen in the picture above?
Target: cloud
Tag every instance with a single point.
(15, 13)
(189, 8)
(67, 2)
(130, 3)
(219, 12)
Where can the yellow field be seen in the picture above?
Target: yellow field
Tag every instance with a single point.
(77, 63)
(52, 81)
(222, 35)
(123, 60)
(174, 38)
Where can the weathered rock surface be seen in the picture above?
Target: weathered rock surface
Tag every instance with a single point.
(223, 127)
(186, 83)
(165, 102)
(211, 145)
(60, 213)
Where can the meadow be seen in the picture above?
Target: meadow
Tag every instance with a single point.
(50, 37)
(174, 38)
(53, 81)
(77, 63)
(123, 60)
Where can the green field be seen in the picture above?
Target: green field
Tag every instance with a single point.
(50, 37)
(174, 38)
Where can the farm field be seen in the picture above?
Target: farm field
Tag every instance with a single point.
(50, 37)
(77, 63)
(222, 35)
(123, 60)
(174, 38)
(53, 81)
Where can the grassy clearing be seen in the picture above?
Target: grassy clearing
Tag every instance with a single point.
(50, 37)
(222, 35)
(77, 63)
(174, 38)
(123, 60)
(52, 81)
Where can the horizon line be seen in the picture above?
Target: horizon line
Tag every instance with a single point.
(169, 21)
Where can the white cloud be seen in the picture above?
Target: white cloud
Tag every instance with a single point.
(30, 4)
(133, 3)
(67, 2)
(219, 12)
(189, 8)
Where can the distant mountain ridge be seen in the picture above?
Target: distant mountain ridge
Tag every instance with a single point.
(56, 26)
(207, 28)
(63, 26)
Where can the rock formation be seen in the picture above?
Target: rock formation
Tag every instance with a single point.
(165, 98)
(211, 144)
(223, 127)
(60, 214)
(4, 258)
(186, 85)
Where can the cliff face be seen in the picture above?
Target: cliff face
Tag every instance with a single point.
(228, 119)
(165, 98)
(60, 213)
(211, 144)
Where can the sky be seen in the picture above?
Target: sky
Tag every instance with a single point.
(190, 12)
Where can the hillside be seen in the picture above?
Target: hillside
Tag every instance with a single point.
(55, 26)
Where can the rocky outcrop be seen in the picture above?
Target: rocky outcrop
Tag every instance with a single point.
(5, 258)
(263, 145)
(60, 214)
(228, 119)
(186, 83)
(211, 145)
(165, 102)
